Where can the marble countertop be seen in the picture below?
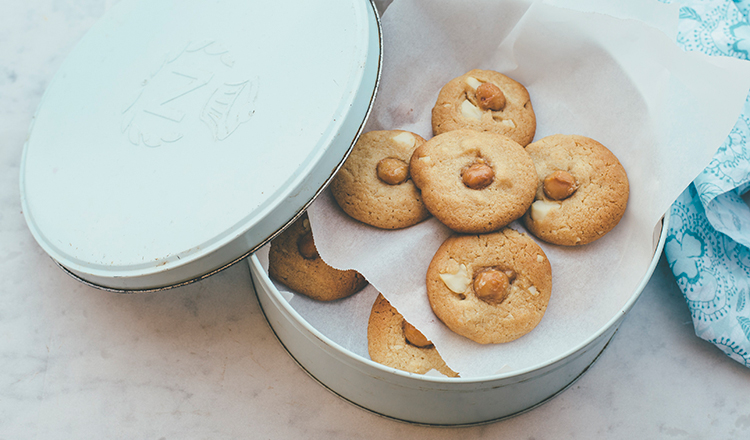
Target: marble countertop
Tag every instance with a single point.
(201, 362)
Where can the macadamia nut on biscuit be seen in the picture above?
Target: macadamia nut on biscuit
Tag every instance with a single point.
(485, 100)
(374, 185)
(474, 182)
(491, 288)
(582, 190)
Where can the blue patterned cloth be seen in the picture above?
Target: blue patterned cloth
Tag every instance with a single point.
(708, 243)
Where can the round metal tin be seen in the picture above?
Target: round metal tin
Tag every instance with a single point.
(426, 399)
(180, 135)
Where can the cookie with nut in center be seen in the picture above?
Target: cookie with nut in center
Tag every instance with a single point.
(295, 262)
(491, 288)
(375, 187)
(393, 342)
(474, 182)
(485, 100)
(582, 190)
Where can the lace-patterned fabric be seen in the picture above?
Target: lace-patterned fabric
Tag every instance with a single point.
(708, 243)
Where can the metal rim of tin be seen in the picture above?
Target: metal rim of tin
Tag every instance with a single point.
(456, 425)
(283, 225)
(448, 380)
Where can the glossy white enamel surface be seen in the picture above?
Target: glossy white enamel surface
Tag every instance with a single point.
(179, 135)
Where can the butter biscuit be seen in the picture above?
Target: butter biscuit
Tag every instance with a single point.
(374, 184)
(474, 182)
(582, 190)
(485, 100)
(294, 261)
(393, 342)
(491, 288)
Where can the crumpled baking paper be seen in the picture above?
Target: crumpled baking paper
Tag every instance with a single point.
(622, 81)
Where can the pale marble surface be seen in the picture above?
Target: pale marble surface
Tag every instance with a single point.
(201, 362)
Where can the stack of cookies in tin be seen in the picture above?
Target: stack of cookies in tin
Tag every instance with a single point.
(478, 173)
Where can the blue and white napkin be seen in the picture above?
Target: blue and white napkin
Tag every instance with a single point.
(708, 243)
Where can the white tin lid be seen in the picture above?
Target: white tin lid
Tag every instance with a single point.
(181, 135)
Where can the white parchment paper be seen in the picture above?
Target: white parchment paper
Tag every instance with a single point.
(622, 81)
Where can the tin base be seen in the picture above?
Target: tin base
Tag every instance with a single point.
(401, 419)
(429, 400)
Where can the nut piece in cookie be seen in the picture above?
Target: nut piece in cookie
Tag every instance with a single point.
(393, 342)
(582, 190)
(474, 182)
(490, 288)
(374, 185)
(294, 261)
(485, 100)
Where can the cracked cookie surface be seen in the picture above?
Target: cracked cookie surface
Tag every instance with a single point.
(374, 186)
(461, 104)
(480, 202)
(458, 297)
(388, 344)
(293, 261)
(599, 197)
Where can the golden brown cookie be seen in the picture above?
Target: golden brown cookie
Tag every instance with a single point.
(374, 185)
(485, 100)
(395, 343)
(294, 261)
(490, 288)
(472, 181)
(582, 190)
